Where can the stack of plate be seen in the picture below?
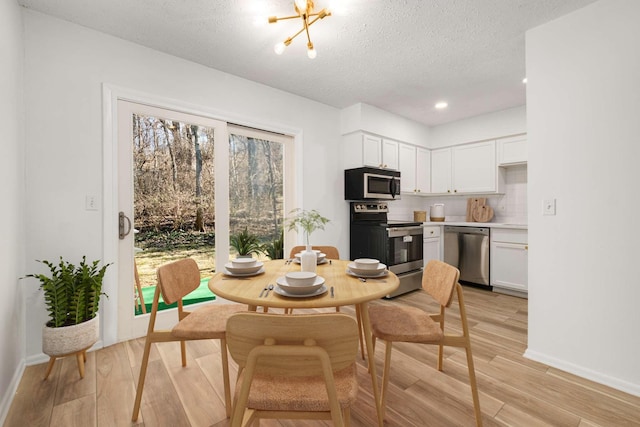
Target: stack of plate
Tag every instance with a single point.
(322, 257)
(243, 267)
(300, 284)
(367, 267)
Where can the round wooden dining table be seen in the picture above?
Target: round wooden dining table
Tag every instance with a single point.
(342, 289)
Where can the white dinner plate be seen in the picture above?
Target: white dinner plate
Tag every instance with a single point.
(243, 270)
(278, 290)
(366, 272)
(255, 273)
(368, 276)
(321, 261)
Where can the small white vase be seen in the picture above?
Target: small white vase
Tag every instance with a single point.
(308, 260)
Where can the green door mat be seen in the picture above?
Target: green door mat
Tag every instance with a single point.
(201, 294)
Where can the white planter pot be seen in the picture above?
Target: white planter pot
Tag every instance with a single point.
(70, 339)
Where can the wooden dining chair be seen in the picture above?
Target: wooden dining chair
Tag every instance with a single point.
(176, 280)
(330, 251)
(293, 367)
(411, 324)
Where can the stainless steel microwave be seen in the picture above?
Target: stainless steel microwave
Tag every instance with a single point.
(371, 184)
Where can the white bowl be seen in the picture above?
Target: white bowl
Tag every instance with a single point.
(286, 286)
(243, 270)
(366, 263)
(300, 278)
(243, 262)
(369, 272)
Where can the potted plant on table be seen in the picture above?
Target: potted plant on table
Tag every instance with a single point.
(308, 221)
(245, 243)
(72, 297)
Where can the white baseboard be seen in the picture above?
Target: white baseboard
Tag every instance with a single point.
(7, 398)
(609, 381)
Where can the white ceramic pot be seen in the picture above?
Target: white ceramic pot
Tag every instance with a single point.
(437, 211)
(70, 339)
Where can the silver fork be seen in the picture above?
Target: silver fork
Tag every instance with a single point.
(262, 291)
(268, 289)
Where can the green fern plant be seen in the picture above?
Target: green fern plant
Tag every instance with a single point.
(245, 243)
(274, 249)
(71, 293)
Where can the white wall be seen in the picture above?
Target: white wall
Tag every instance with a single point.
(486, 126)
(583, 104)
(12, 317)
(364, 117)
(66, 66)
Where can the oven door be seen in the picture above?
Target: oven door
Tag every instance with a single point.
(405, 249)
(381, 186)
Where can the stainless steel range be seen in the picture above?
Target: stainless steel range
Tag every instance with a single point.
(397, 244)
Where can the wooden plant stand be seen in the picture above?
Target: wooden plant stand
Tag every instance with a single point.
(81, 357)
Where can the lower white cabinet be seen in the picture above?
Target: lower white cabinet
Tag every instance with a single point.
(509, 260)
(432, 243)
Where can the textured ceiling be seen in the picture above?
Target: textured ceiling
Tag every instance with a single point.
(401, 56)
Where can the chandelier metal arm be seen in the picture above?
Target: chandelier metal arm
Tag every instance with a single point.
(305, 14)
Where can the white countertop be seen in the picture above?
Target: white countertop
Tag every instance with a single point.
(479, 224)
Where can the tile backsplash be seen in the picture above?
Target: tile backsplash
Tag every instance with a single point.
(510, 207)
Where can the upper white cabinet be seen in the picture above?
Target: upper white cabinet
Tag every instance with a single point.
(415, 166)
(362, 149)
(512, 151)
(379, 152)
(469, 168)
(474, 168)
(441, 171)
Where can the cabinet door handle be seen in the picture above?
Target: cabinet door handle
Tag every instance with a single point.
(526, 248)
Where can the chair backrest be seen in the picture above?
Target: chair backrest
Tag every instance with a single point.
(331, 251)
(336, 333)
(177, 279)
(439, 279)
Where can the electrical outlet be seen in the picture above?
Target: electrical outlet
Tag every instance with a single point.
(90, 203)
(549, 207)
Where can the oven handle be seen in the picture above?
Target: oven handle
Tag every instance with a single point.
(404, 231)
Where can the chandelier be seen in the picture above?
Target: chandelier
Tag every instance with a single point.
(305, 11)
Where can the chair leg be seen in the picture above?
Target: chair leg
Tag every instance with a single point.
(360, 332)
(183, 352)
(225, 375)
(385, 375)
(143, 374)
(474, 387)
(52, 361)
(346, 416)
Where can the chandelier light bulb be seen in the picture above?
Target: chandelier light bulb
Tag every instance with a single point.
(279, 48)
(301, 5)
(311, 53)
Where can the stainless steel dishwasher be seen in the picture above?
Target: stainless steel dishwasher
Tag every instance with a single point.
(467, 248)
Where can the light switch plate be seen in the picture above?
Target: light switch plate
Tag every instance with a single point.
(549, 207)
(90, 202)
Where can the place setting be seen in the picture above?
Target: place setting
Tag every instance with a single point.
(367, 268)
(243, 267)
(300, 284)
(321, 257)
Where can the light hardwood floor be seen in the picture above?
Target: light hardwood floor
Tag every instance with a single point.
(514, 391)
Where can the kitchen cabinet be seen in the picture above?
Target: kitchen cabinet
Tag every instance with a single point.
(432, 243)
(509, 261)
(512, 151)
(464, 169)
(379, 152)
(414, 164)
(441, 171)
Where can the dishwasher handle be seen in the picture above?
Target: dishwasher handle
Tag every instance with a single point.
(466, 230)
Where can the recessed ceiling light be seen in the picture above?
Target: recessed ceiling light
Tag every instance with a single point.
(524, 80)
(441, 105)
